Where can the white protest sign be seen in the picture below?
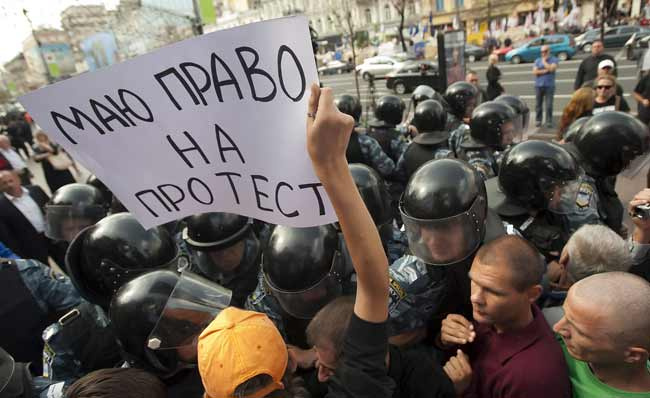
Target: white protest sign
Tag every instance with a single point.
(214, 123)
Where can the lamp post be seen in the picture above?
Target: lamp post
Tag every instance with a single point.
(48, 76)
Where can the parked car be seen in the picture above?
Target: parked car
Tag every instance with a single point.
(474, 53)
(562, 46)
(412, 74)
(335, 67)
(636, 46)
(614, 37)
(378, 66)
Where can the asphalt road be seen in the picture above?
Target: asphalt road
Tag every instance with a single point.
(516, 79)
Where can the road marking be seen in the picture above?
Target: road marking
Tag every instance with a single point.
(505, 82)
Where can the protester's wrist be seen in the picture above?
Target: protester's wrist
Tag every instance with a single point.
(331, 167)
(641, 235)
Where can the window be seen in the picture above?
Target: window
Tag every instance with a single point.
(535, 43)
(460, 3)
(629, 30)
(411, 8)
(368, 16)
(440, 5)
(387, 15)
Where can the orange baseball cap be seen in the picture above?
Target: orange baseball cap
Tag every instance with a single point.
(237, 346)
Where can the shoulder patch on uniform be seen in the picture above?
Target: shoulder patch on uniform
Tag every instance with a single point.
(585, 192)
(396, 292)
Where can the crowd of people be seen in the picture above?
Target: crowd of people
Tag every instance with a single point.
(466, 261)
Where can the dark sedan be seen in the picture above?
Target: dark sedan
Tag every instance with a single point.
(413, 74)
(474, 53)
(335, 67)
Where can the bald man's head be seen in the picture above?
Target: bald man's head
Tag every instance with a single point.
(622, 301)
(4, 142)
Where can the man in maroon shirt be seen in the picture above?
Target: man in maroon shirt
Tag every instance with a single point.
(509, 350)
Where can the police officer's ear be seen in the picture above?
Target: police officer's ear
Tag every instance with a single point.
(292, 364)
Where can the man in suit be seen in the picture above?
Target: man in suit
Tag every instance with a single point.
(10, 160)
(22, 219)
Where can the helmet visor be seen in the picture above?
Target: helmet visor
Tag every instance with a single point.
(306, 303)
(636, 165)
(448, 240)
(217, 263)
(193, 304)
(64, 222)
(561, 196)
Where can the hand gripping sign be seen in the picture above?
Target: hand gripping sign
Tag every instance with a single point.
(213, 123)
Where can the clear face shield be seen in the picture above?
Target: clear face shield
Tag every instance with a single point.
(510, 134)
(306, 303)
(636, 165)
(561, 196)
(219, 262)
(518, 129)
(193, 304)
(449, 240)
(65, 222)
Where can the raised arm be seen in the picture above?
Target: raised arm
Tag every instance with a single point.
(328, 132)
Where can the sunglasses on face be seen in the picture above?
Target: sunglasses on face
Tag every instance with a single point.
(603, 87)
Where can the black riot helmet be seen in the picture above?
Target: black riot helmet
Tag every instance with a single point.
(461, 97)
(211, 239)
(349, 105)
(610, 141)
(444, 208)
(15, 379)
(521, 109)
(373, 191)
(429, 116)
(110, 253)
(158, 317)
(573, 129)
(72, 208)
(389, 110)
(492, 124)
(303, 268)
(540, 175)
(422, 93)
(97, 183)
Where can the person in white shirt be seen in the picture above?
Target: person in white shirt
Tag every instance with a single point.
(14, 160)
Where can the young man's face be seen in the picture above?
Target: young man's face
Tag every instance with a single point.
(494, 298)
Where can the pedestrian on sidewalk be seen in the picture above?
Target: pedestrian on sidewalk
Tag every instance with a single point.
(588, 69)
(641, 94)
(493, 74)
(544, 71)
(580, 105)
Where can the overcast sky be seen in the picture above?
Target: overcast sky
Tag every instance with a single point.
(14, 28)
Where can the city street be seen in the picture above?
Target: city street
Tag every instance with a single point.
(517, 80)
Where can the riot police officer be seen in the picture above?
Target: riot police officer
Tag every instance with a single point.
(72, 208)
(522, 119)
(445, 214)
(16, 381)
(605, 145)
(461, 99)
(302, 270)
(419, 94)
(224, 248)
(430, 143)
(115, 250)
(389, 113)
(158, 318)
(31, 296)
(541, 194)
(362, 148)
(377, 199)
(97, 183)
(574, 127)
(492, 130)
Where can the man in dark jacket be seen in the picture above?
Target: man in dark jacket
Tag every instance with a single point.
(588, 69)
